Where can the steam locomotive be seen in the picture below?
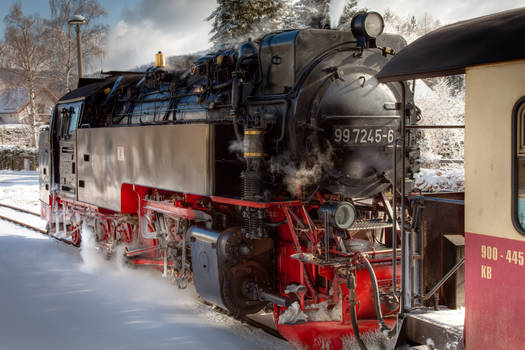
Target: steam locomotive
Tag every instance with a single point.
(261, 174)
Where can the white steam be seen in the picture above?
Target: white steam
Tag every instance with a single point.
(153, 301)
(236, 146)
(336, 11)
(308, 172)
(92, 259)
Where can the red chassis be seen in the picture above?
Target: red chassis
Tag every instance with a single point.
(298, 245)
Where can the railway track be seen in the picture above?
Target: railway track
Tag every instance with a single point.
(18, 222)
(26, 225)
(246, 319)
(268, 329)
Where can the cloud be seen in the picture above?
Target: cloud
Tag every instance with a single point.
(178, 26)
(173, 27)
(447, 11)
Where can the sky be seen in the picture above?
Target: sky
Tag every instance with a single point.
(140, 28)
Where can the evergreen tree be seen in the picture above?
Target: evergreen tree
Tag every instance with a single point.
(316, 14)
(236, 20)
(348, 13)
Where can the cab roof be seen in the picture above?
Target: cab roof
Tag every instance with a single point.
(451, 49)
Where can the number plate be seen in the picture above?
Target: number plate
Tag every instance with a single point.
(370, 135)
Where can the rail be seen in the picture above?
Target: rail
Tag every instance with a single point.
(19, 209)
(23, 224)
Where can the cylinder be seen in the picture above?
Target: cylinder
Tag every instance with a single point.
(276, 299)
(254, 143)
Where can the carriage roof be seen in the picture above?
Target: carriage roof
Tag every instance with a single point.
(451, 49)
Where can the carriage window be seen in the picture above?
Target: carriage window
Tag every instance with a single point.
(519, 166)
(75, 116)
(69, 115)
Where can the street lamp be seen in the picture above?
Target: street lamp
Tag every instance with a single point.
(78, 20)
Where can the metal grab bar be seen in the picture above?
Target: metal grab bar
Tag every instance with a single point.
(435, 126)
(434, 199)
(443, 280)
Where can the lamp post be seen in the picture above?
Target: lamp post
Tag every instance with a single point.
(77, 20)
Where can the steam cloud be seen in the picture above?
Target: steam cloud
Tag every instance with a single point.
(92, 259)
(336, 11)
(304, 174)
(236, 146)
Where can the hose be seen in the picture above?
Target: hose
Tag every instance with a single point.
(236, 81)
(355, 327)
(382, 325)
(222, 85)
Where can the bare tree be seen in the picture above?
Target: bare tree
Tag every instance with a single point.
(63, 60)
(24, 55)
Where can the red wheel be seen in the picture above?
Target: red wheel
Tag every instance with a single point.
(102, 230)
(75, 235)
(126, 232)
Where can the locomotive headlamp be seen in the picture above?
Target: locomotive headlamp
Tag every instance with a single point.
(367, 24)
(340, 214)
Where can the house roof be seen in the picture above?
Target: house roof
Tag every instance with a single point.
(14, 101)
(451, 49)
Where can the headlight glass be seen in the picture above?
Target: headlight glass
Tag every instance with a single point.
(367, 25)
(344, 216)
(374, 24)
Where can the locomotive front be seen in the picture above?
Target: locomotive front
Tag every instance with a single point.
(337, 156)
(263, 174)
(338, 122)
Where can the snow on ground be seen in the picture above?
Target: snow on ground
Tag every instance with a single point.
(451, 322)
(440, 180)
(51, 299)
(32, 220)
(446, 317)
(20, 189)
(16, 136)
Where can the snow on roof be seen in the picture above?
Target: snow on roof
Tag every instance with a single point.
(12, 100)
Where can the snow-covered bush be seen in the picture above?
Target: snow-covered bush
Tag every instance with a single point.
(441, 102)
(439, 107)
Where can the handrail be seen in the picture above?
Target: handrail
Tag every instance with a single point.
(434, 199)
(435, 126)
(444, 279)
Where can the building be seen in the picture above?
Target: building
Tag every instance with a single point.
(15, 109)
